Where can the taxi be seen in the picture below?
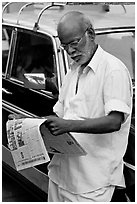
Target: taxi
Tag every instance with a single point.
(30, 44)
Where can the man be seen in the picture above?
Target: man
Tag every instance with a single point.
(95, 105)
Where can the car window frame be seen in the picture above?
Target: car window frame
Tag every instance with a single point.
(8, 74)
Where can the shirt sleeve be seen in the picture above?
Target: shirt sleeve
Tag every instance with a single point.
(118, 93)
(58, 109)
(59, 106)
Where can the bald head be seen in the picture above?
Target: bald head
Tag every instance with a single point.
(71, 23)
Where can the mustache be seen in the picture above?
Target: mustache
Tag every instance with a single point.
(84, 54)
(76, 55)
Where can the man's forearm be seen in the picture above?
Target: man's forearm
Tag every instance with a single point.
(105, 124)
(100, 125)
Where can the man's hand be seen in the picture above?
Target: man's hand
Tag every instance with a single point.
(57, 125)
(15, 116)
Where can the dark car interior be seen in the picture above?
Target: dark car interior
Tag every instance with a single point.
(35, 54)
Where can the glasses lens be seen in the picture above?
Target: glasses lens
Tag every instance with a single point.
(74, 44)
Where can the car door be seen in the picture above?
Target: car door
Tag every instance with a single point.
(25, 51)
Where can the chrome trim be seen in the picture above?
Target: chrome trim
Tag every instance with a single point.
(22, 8)
(4, 8)
(11, 52)
(57, 62)
(66, 59)
(14, 109)
(114, 30)
(129, 166)
(36, 26)
(41, 92)
(25, 6)
(6, 91)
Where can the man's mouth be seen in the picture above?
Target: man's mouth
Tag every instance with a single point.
(76, 58)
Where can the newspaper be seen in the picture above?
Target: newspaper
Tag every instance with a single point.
(62, 144)
(30, 141)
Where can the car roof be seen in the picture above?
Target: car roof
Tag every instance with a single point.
(115, 18)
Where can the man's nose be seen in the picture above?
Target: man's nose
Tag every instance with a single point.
(70, 50)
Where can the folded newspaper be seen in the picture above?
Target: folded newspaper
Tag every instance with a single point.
(30, 141)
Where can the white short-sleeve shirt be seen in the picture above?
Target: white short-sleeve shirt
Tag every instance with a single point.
(104, 86)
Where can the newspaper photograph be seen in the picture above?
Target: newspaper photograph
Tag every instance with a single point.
(26, 144)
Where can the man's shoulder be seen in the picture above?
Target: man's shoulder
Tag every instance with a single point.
(112, 61)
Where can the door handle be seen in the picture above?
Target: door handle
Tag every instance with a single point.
(6, 91)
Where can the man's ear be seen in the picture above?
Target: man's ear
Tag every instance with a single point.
(91, 33)
(93, 36)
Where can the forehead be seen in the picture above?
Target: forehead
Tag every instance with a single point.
(69, 31)
(70, 35)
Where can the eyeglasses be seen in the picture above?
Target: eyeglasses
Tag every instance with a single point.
(73, 44)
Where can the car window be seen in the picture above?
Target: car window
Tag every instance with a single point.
(121, 45)
(6, 38)
(34, 54)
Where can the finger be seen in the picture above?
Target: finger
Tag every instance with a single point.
(11, 116)
(56, 131)
(48, 123)
(15, 116)
(53, 130)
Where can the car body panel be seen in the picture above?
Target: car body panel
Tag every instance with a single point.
(33, 175)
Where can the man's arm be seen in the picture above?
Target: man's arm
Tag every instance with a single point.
(102, 125)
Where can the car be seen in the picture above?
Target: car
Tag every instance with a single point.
(30, 44)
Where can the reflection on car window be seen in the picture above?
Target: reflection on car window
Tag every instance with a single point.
(34, 54)
(121, 45)
(6, 36)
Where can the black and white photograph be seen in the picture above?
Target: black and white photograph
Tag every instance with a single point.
(68, 101)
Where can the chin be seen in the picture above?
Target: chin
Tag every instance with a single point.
(81, 62)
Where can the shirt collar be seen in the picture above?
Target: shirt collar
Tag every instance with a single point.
(93, 64)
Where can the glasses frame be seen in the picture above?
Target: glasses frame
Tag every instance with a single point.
(74, 44)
